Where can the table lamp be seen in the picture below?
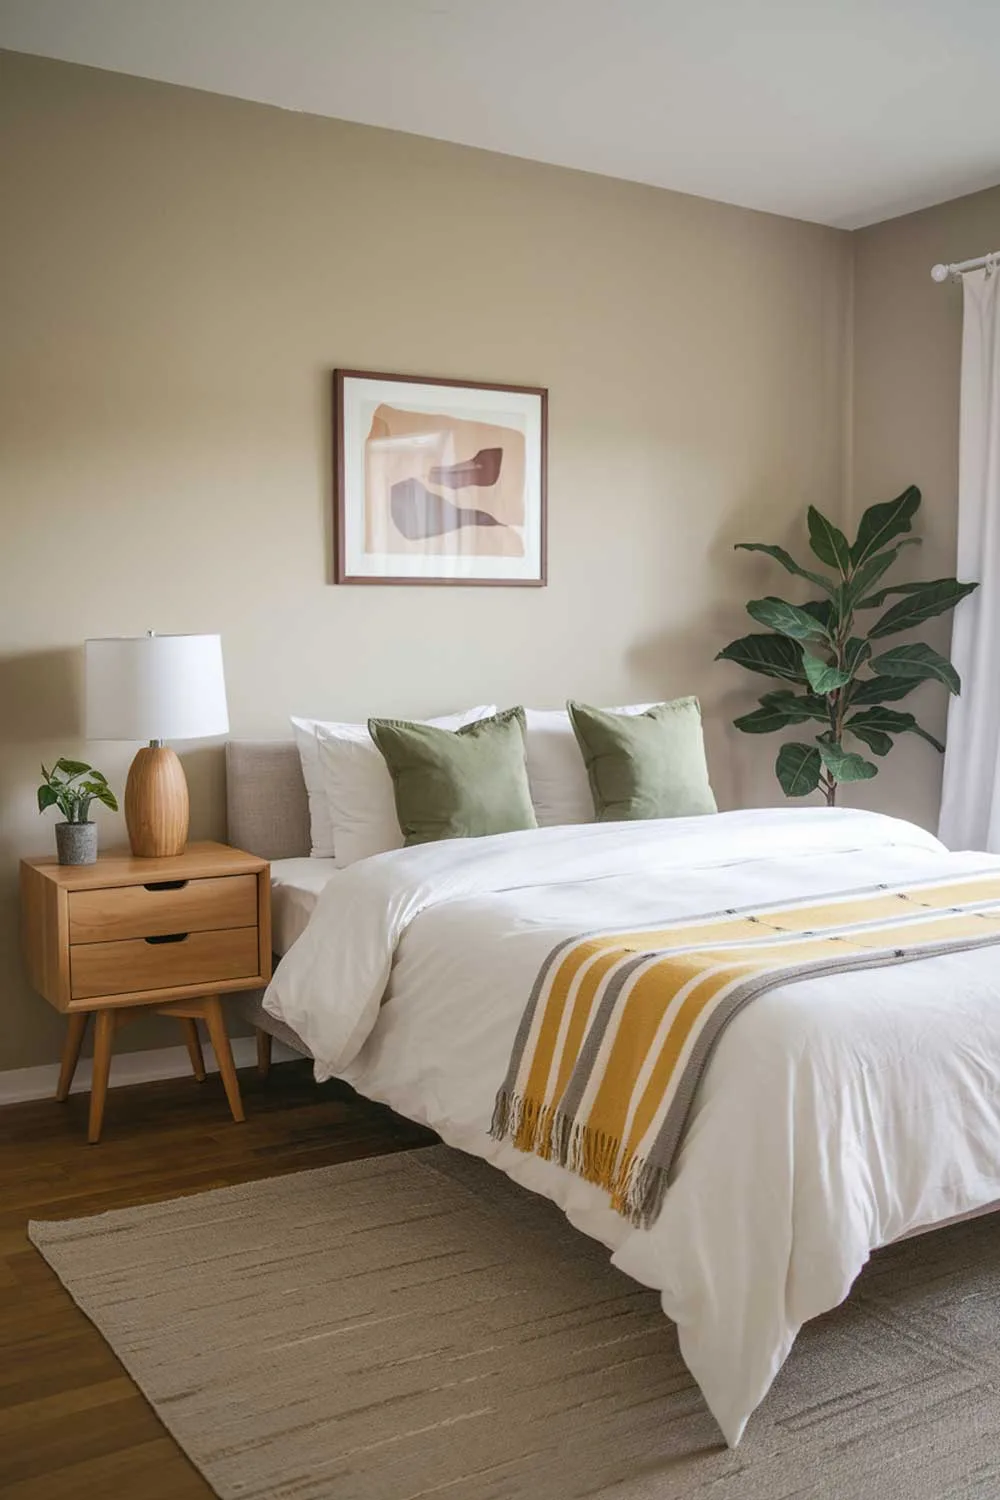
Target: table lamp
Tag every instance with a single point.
(155, 687)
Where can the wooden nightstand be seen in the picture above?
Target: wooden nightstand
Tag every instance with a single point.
(126, 935)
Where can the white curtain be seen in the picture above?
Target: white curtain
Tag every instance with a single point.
(970, 803)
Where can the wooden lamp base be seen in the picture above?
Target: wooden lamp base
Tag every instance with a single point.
(156, 803)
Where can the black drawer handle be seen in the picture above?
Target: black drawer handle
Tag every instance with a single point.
(165, 885)
(168, 937)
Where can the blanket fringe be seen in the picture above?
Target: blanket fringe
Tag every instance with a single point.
(636, 1186)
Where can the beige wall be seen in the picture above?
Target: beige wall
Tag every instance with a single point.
(183, 273)
(907, 352)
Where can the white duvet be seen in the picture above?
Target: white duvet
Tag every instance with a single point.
(836, 1115)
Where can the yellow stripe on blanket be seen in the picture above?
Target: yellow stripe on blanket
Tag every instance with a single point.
(620, 1026)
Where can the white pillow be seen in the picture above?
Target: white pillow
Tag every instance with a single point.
(320, 827)
(560, 788)
(352, 810)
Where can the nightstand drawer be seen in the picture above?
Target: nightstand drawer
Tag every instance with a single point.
(139, 964)
(141, 911)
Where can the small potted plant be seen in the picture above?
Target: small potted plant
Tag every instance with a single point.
(76, 838)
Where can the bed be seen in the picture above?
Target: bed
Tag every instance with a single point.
(837, 1115)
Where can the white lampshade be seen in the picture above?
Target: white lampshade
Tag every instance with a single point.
(155, 687)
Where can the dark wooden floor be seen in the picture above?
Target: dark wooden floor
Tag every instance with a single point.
(72, 1424)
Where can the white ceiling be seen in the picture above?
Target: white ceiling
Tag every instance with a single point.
(840, 111)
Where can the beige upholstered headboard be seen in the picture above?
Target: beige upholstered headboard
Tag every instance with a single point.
(267, 811)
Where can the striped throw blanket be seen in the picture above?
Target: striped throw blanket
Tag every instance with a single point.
(620, 1026)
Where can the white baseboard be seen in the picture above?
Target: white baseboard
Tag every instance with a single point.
(20, 1084)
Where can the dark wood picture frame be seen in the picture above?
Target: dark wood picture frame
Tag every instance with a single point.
(341, 574)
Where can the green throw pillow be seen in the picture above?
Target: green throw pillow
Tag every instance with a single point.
(649, 765)
(457, 784)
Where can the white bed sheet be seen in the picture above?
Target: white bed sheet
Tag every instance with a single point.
(836, 1115)
(296, 885)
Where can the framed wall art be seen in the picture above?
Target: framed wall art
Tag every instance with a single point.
(438, 481)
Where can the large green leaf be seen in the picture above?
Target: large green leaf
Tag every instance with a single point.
(856, 652)
(880, 689)
(876, 739)
(826, 611)
(771, 655)
(828, 542)
(810, 703)
(891, 721)
(787, 619)
(798, 769)
(876, 600)
(934, 598)
(880, 523)
(72, 767)
(787, 561)
(47, 796)
(772, 716)
(845, 765)
(871, 571)
(920, 662)
(823, 677)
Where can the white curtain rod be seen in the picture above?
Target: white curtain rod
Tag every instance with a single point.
(941, 273)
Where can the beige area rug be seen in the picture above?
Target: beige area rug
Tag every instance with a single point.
(416, 1326)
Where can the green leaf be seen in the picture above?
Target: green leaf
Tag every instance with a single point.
(891, 721)
(823, 678)
(880, 523)
(46, 797)
(787, 561)
(828, 542)
(845, 765)
(787, 619)
(920, 662)
(72, 767)
(931, 739)
(798, 769)
(808, 705)
(772, 716)
(856, 652)
(823, 610)
(875, 739)
(107, 796)
(880, 689)
(817, 706)
(771, 655)
(871, 571)
(876, 600)
(920, 604)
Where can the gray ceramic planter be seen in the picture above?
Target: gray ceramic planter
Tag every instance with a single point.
(76, 843)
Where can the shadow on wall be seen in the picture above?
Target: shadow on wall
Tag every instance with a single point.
(680, 663)
(205, 769)
(42, 695)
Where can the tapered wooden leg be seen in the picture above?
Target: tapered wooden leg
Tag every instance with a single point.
(75, 1029)
(264, 1040)
(195, 1053)
(104, 1031)
(216, 1023)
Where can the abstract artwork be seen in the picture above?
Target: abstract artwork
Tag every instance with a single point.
(438, 481)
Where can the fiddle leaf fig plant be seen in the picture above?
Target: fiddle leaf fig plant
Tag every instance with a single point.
(833, 668)
(61, 787)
